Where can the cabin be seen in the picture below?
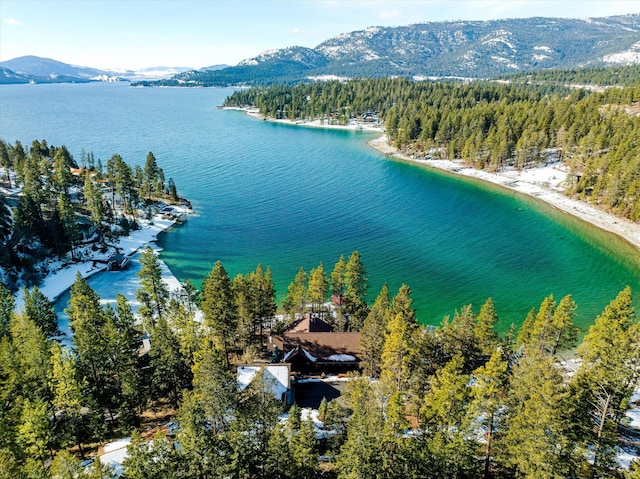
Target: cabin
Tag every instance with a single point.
(310, 346)
(310, 323)
(319, 353)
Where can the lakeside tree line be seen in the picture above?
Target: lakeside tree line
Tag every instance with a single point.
(488, 124)
(455, 401)
(59, 200)
(626, 75)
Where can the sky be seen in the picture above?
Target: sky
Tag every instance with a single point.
(135, 34)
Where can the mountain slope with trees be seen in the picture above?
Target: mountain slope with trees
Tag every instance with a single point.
(471, 49)
(56, 206)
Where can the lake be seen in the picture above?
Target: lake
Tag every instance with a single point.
(288, 196)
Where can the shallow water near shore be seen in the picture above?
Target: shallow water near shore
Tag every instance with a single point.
(286, 197)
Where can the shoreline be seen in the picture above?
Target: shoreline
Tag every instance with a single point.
(317, 123)
(61, 277)
(543, 183)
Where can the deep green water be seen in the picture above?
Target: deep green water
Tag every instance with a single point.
(287, 197)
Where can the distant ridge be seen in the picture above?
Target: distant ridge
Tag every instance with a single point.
(469, 49)
(33, 69)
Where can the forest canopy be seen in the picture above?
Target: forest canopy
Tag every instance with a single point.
(57, 205)
(457, 400)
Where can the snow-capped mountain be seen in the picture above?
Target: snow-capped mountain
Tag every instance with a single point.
(33, 69)
(475, 49)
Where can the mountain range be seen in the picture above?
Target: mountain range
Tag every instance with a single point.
(469, 49)
(33, 69)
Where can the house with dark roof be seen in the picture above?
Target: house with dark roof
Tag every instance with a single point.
(309, 346)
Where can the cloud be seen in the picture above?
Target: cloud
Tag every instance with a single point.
(12, 21)
(297, 31)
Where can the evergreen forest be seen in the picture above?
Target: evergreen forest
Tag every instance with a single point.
(455, 401)
(56, 207)
(491, 125)
(544, 401)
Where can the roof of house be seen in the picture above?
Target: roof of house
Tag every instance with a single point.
(310, 324)
(320, 347)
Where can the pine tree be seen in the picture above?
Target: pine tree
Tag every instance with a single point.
(398, 344)
(6, 228)
(444, 406)
(32, 350)
(6, 161)
(40, 310)
(535, 441)
(526, 328)
(94, 334)
(95, 202)
(303, 450)
(245, 296)
(153, 292)
(219, 308)
(490, 399)
(337, 286)
(98, 470)
(485, 333)
(295, 300)
(607, 377)
(68, 222)
(565, 332)
(125, 357)
(373, 334)
(170, 372)
(62, 177)
(266, 299)
(7, 304)
(356, 288)
(214, 387)
(457, 337)
(35, 429)
(67, 390)
(318, 287)
(150, 173)
(362, 453)
(65, 466)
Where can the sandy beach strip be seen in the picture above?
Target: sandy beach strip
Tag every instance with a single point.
(545, 183)
(316, 123)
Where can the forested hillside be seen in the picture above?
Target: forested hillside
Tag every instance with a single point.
(600, 76)
(469, 49)
(490, 124)
(53, 206)
(458, 401)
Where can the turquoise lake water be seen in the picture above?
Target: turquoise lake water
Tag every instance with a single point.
(287, 196)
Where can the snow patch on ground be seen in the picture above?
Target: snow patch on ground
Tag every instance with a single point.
(62, 275)
(340, 357)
